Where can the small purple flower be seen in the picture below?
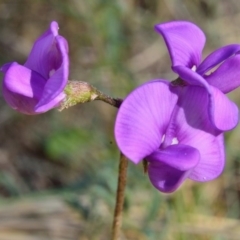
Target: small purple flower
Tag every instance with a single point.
(168, 127)
(178, 129)
(185, 42)
(38, 85)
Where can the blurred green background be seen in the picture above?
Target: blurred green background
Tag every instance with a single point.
(58, 171)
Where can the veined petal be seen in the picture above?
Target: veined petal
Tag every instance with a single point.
(22, 87)
(142, 119)
(212, 160)
(185, 42)
(227, 76)
(169, 167)
(222, 112)
(57, 82)
(45, 55)
(191, 126)
(191, 77)
(217, 57)
(21, 80)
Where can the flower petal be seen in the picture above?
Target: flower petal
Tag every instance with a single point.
(222, 112)
(217, 57)
(212, 160)
(169, 167)
(185, 42)
(45, 55)
(53, 90)
(191, 77)
(143, 118)
(55, 102)
(22, 88)
(227, 77)
(190, 124)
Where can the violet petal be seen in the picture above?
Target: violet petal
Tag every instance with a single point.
(184, 40)
(143, 118)
(22, 88)
(191, 77)
(217, 57)
(191, 126)
(57, 82)
(169, 167)
(212, 160)
(45, 55)
(222, 112)
(227, 76)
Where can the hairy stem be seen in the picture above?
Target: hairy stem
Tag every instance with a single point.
(122, 179)
(116, 102)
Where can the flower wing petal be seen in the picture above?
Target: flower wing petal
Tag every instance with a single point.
(22, 88)
(21, 80)
(143, 118)
(169, 167)
(217, 57)
(190, 123)
(184, 40)
(222, 112)
(227, 77)
(191, 77)
(212, 160)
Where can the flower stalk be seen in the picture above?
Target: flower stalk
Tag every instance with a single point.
(122, 179)
(82, 92)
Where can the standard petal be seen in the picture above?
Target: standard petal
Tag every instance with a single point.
(143, 118)
(227, 76)
(45, 55)
(22, 87)
(191, 126)
(169, 167)
(185, 42)
(217, 57)
(57, 82)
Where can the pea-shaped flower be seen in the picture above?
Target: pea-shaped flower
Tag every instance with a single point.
(185, 42)
(178, 127)
(168, 127)
(38, 85)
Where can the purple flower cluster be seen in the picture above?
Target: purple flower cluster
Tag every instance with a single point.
(178, 127)
(38, 85)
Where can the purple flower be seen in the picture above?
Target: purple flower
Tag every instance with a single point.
(38, 85)
(185, 42)
(170, 128)
(178, 129)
